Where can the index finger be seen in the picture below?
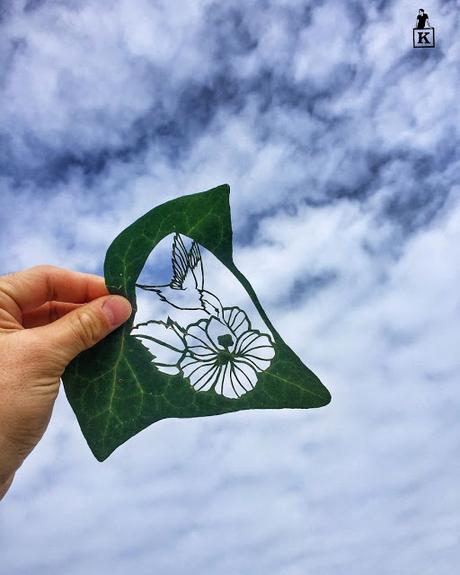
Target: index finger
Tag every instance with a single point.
(31, 288)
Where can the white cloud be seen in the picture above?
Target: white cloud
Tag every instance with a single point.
(346, 220)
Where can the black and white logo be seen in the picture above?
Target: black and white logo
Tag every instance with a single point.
(423, 33)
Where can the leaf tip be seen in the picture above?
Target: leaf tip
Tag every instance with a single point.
(327, 397)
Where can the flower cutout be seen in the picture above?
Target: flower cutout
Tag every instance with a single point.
(225, 355)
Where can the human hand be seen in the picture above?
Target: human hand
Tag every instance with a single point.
(48, 315)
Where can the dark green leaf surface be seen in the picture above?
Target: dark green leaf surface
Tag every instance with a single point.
(116, 390)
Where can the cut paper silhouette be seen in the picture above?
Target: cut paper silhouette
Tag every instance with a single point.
(221, 351)
(190, 349)
(422, 20)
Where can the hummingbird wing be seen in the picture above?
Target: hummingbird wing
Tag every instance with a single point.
(196, 265)
(180, 264)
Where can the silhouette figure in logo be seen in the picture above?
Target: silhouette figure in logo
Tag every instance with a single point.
(422, 20)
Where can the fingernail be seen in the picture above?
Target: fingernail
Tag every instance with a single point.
(117, 310)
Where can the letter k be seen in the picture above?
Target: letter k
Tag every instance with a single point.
(423, 36)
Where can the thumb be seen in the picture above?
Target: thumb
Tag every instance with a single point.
(85, 326)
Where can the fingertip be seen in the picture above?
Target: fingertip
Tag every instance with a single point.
(117, 309)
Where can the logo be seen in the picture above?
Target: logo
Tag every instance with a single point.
(423, 33)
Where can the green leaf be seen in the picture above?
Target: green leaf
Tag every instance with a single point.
(116, 389)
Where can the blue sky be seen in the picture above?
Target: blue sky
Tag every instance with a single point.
(340, 143)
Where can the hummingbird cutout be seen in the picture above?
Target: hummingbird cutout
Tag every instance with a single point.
(218, 360)
(186, 288)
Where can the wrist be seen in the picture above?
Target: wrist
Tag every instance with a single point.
(8, 465)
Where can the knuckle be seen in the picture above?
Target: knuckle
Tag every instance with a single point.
(46, 271)
(44, 268)
(7, 281)
(8, 286)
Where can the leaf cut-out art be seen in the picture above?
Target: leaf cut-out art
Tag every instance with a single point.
(192, 347)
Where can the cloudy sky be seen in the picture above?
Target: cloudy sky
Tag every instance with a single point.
(341, 146)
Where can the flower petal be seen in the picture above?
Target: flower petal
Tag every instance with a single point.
(244, 377)
(246, 341)
(224, 385)
(256, 349)
(261, 348)
(216, 329)
(202, 375)
(198, 341)
(236, 319)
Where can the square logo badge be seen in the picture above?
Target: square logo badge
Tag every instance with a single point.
(423, 38)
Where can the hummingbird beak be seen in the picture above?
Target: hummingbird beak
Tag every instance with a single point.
(146, 287)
